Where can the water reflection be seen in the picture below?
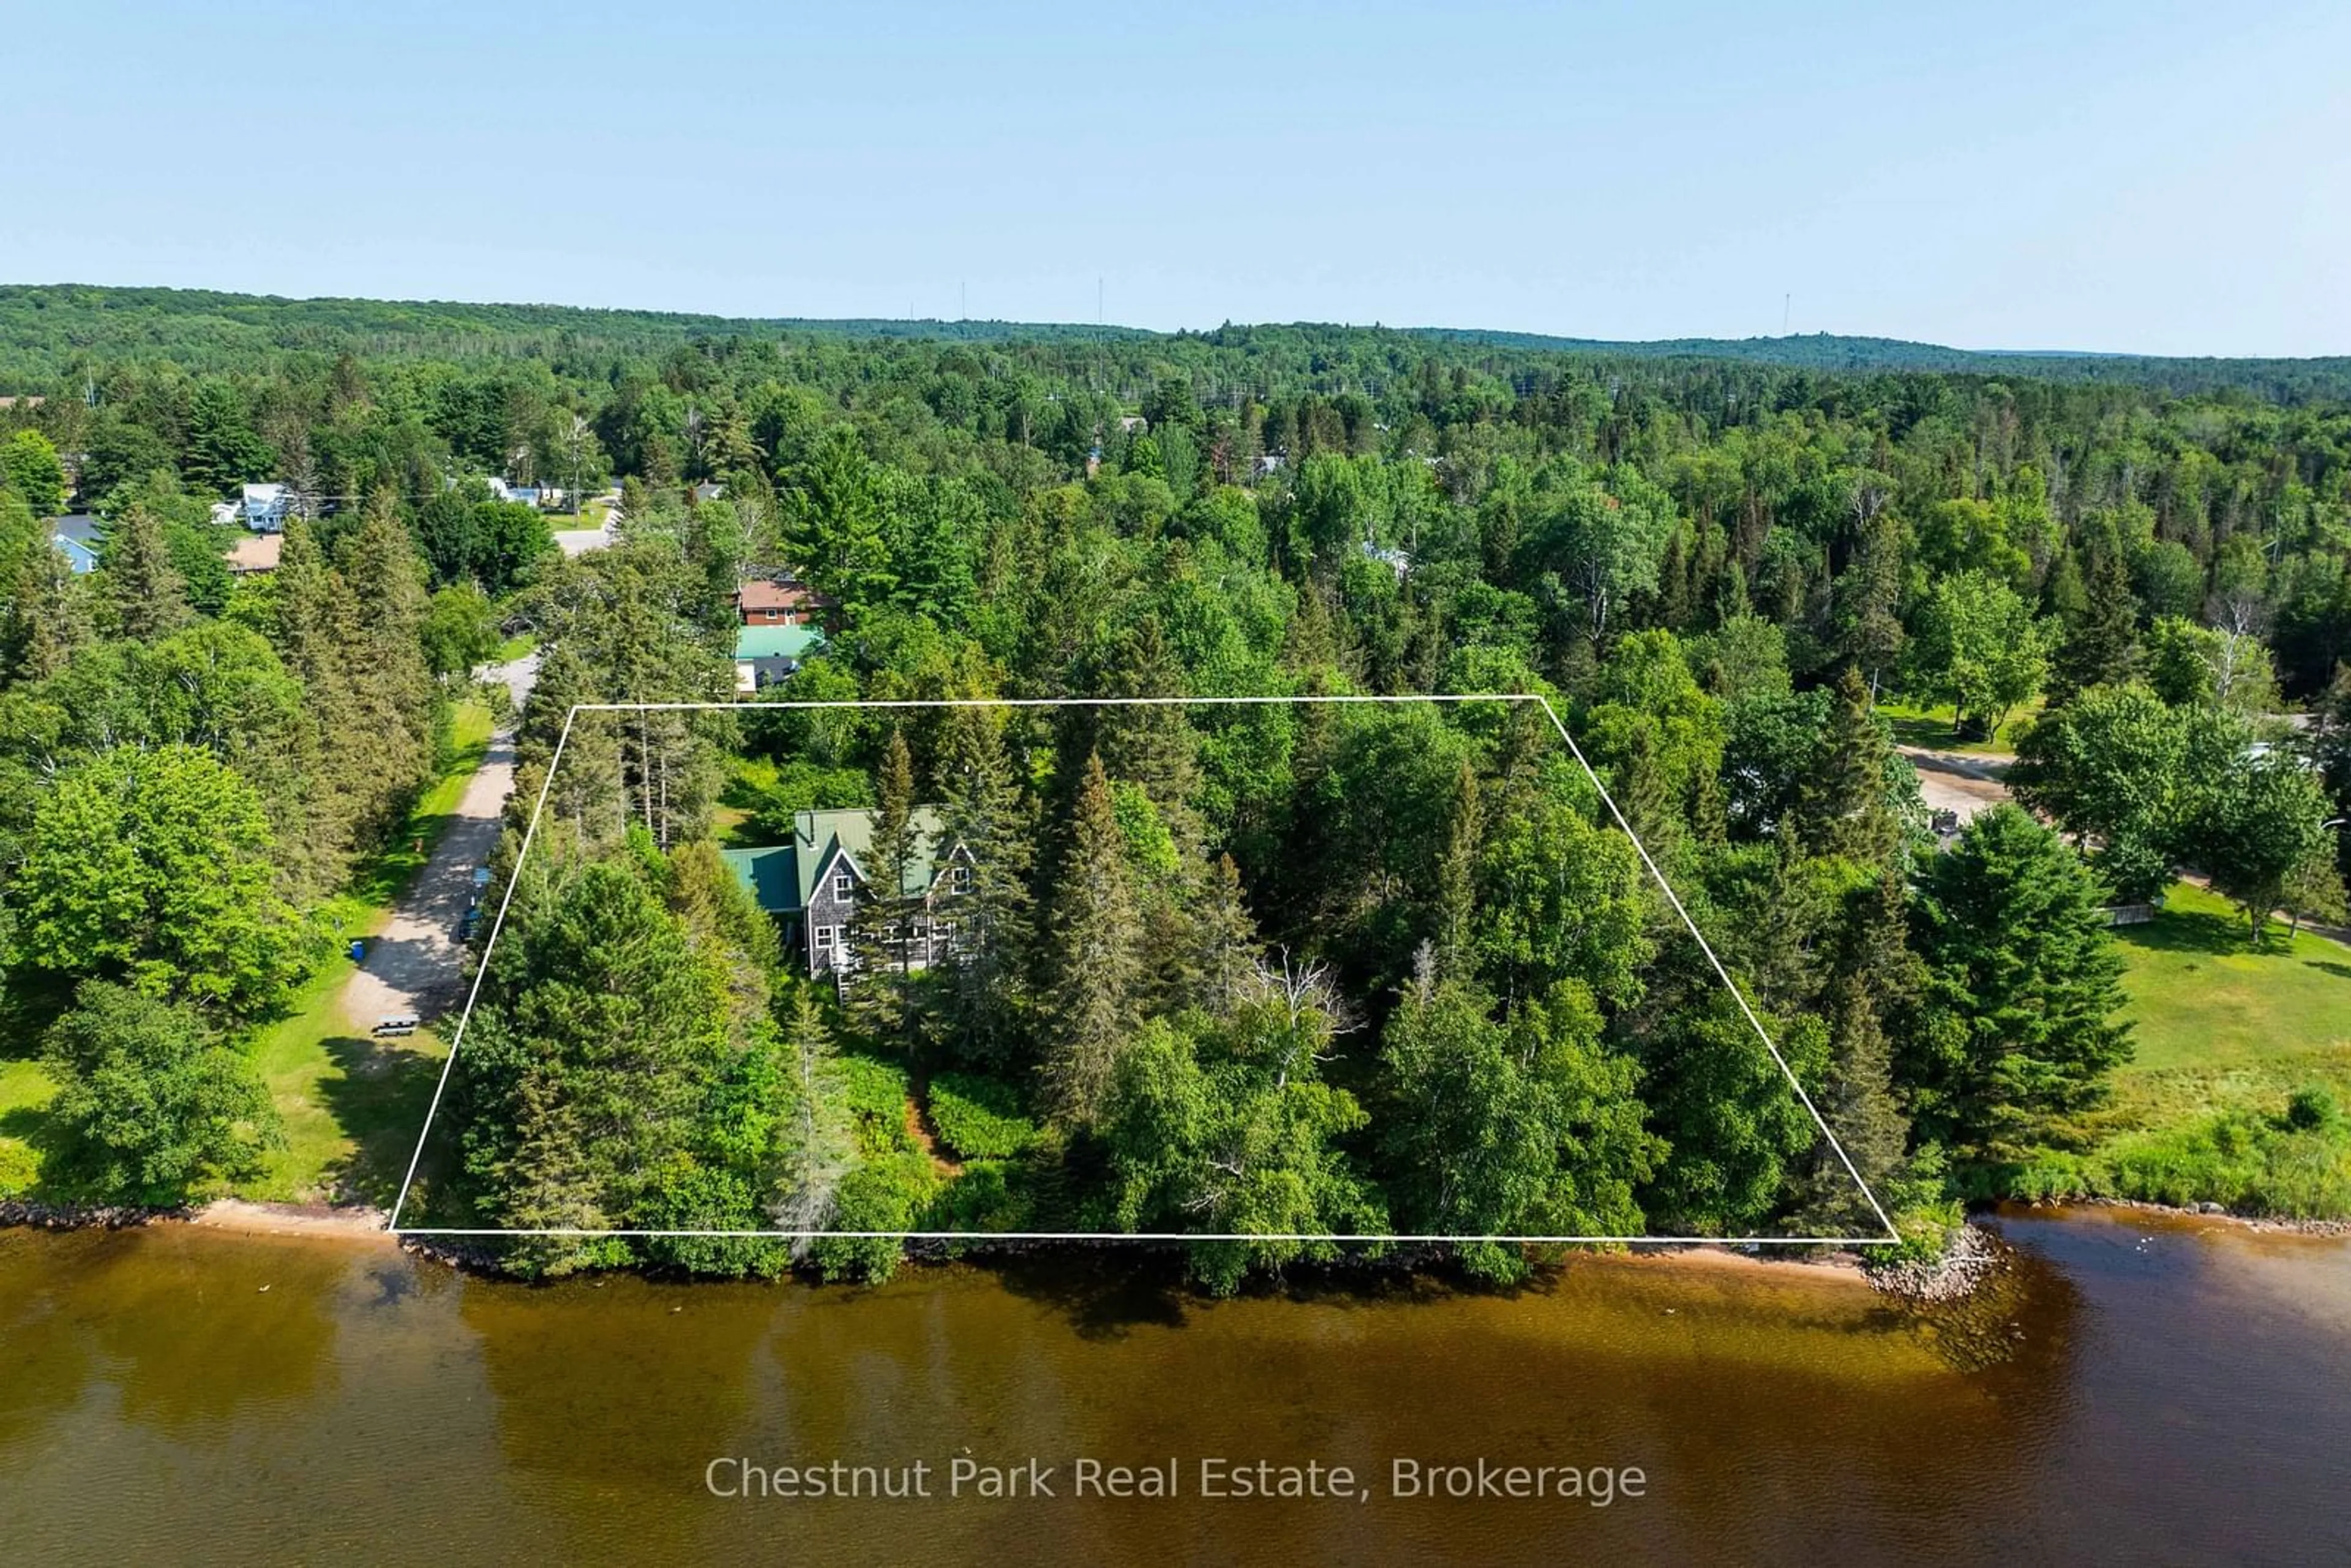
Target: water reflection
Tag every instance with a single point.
(2129, 1392)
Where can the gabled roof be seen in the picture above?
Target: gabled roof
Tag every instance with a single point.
(776, 641)
(820, 836)
(782, 877)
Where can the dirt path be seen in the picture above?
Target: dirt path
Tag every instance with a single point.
(1955, 781)
(415, 965)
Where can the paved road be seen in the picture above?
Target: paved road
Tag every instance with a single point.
(414, 965)
(1956, 781)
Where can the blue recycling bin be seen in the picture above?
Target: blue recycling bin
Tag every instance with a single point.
(359, 950)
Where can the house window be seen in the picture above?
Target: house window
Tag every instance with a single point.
(959, 879)
(826, 936)
(843, 885)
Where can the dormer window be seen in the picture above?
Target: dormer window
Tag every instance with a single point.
(959, 879)
(844, 886)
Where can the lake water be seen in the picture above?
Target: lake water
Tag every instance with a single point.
(2137, 1390)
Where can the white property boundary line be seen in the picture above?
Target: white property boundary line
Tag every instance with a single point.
(1891, 1237)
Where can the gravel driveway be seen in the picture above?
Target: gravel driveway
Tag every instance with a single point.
(415, 964)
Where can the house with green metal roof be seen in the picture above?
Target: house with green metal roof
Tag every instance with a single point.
(815, 884)
(765, 654)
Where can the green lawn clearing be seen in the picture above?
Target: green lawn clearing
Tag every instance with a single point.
(1930, 727)
(352, 1105)
(2200, 997)
(2227, 1040)
(24, 1088)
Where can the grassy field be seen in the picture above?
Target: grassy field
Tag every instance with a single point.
(2201, 997)
(514, 648)
(2225, 1037)
(352, 1105)
(24, 1090)
(1930, 727)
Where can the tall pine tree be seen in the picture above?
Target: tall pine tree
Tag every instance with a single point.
(141, 595)
(981, 814)
(1092, 956)
(883, 931)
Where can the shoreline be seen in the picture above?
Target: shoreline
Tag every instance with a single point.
(356, 1225)
(1974, 1255)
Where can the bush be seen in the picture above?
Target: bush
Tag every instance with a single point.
(883, 1194)
(989, 1194)
(2311, 1109)
(876, 1092)
(979, 1118)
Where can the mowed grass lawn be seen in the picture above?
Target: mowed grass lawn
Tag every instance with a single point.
(2201, 997)
(352, 1105)
(2224, 1037)
(1930, 727)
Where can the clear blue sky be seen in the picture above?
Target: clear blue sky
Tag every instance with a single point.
(2151, 177)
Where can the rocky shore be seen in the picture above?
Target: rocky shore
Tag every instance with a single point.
(83, 1216)
(1969, 1258)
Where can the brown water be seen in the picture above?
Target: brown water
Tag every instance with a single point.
(2142, 1391)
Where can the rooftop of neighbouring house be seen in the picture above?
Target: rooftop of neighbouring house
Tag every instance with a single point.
(256, 552)
(761, 594)
(776, 641)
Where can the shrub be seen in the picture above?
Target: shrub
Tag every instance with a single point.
(883, 1194)
(989, 1194)
(876, 1092)
(979, 1118)
(2311, 1109)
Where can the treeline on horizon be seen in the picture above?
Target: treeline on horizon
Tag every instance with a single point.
(1714, 570)
(52, 336)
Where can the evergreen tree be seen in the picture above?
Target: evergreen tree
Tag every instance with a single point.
(396, 698)
(1154, 745)
(1873, 994)
(814, 1146)
(2101, 644)
(141, 593)
(883, 931)
(47, 618)
(1222, 967)
(1845, 809)
(2018, 1029)
(1093, 956)
(981, 813)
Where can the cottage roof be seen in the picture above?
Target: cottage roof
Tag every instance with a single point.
(759, 593)
(781, 878)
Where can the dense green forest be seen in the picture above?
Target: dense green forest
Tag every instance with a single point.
(1313, 968)
(58, 334)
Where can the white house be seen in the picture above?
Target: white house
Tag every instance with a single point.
(262, 508)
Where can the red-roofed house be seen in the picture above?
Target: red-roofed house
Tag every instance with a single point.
(761, 602)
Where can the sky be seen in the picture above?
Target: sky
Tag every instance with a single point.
(2144, 177)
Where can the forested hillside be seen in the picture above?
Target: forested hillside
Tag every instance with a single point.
(58, 334)
(1288, 968)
